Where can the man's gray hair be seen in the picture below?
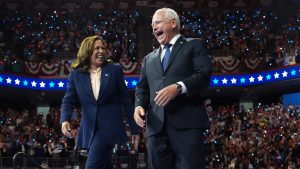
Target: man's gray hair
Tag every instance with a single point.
(170, 14)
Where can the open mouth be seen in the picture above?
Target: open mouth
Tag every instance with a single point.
(159, 33)
(100, 57)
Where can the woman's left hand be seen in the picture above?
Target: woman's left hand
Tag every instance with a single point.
(135, 139)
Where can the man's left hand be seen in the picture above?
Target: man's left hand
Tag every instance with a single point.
(165, 95)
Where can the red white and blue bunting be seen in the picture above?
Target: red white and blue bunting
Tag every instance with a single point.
(58, 69)
(129, 67)
(253, 64)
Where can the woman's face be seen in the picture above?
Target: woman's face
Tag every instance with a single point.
(99, 54)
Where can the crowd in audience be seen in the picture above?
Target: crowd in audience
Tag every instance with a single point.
(240, 33)
(246, 32)
(30, 132)
(266, 136)
(53, 35)
(287, 46)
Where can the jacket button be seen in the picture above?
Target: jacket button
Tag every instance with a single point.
(164, 77)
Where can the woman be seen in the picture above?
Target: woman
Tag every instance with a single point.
(100, 89)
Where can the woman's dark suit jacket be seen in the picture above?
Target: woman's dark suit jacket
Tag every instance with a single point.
(104, 113)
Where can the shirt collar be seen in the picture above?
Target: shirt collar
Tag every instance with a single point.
(173, 40)
(97, 70)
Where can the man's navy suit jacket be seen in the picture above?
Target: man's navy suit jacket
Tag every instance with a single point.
(189, 62)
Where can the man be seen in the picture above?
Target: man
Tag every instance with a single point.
(171, 81)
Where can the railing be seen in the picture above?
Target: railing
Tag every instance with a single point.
(24, 161)
(25, 158)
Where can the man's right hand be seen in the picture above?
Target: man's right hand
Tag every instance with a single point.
(139, 114)
(66, 129)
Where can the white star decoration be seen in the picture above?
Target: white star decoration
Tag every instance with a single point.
(17, 82)
(33, 84)
(60, 84)
(276, 75)
(42, 84)
(126, 82)
(224, 81)
(284, 74)
(251, 79)
(8, 80)
(233, 80)
(260, 78)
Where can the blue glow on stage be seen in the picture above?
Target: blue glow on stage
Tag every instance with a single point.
(237, 80)
(48, 83)
(275, 75)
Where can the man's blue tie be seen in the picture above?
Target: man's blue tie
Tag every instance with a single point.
(166, 56)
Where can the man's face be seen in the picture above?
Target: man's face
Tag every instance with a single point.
(99, 54)
(163, 28)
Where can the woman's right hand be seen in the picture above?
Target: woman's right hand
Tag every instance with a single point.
(66, 129)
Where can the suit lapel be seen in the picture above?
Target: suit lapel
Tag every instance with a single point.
(105, 76)
(178, 44)
(85, 80)
(157, 60)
